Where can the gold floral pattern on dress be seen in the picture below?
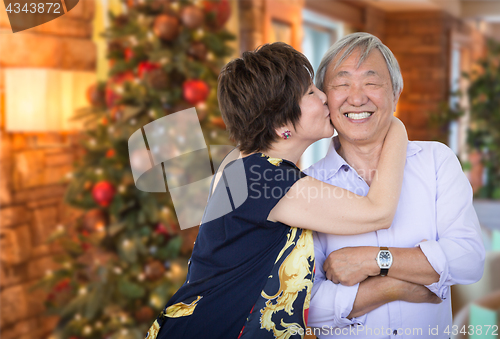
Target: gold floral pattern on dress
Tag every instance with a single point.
(274, 161)
(153, 330)
(293, 277)
(182, 309)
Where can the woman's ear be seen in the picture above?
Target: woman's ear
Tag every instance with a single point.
(279, 130)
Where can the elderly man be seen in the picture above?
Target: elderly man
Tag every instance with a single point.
(378, 285)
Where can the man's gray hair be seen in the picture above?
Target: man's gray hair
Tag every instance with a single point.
(365, 42)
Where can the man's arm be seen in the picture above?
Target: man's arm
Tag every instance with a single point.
(457, 254)
(455, 257)
(351, 265)
(377, 291)
(337, 305)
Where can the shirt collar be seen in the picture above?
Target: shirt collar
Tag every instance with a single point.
(333, 162)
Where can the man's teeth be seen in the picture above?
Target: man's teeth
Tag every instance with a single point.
(357, 116)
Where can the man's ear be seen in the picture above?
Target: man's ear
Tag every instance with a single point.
(396, 100)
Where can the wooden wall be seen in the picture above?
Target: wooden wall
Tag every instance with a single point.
(33, 171)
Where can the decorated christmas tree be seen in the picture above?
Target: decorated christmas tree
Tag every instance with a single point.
(125, 255)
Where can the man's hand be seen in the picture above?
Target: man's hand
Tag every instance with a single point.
(377, 291)
(415, 293)
(351, 265)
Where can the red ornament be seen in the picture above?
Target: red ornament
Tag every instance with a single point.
(144, 314)
(51, 297)
(198, 50)
(103, 193)
(166, 27)
(85, 246)
(129, 54)
(110, 153)
(111, 96)
(62, 285)
(95, 95)
(145, 67)
(159, 5)
(154, 270)
(121, 20)
(195, 91)
(192, 17)
(218, 12)
(161, 229)
(157, 79)
(139, 4)
(94, 220)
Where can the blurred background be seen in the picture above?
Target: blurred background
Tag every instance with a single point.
(84, 254)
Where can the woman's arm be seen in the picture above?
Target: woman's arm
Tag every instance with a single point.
(313, 204)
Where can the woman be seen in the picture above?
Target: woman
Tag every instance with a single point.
(251, 271)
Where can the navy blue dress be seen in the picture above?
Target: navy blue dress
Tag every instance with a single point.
(248, 277)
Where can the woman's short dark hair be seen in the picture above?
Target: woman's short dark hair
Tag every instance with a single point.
(261, 92)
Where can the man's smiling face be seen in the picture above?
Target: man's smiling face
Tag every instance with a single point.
(361, 100)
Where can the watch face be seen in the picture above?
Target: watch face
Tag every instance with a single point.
(384, 259)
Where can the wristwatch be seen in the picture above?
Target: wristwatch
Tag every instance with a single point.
(384, 260)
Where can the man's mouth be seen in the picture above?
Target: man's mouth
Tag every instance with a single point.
(358, 116)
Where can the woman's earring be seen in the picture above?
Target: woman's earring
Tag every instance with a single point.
(286, 134)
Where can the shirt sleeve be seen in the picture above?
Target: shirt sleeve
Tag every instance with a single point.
(330, 303)
(457, 254)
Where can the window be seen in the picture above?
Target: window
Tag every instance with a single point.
(320, 32)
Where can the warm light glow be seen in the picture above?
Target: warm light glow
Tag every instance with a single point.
(41, 99)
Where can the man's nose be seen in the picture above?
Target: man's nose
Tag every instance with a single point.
(323, 97)
(357, 96)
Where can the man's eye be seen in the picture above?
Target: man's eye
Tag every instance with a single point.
(311, 92)
(371, 84)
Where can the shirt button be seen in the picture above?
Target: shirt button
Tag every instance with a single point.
(395, 332)
(346, 169)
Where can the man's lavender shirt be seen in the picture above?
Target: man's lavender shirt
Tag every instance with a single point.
(435, 204)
